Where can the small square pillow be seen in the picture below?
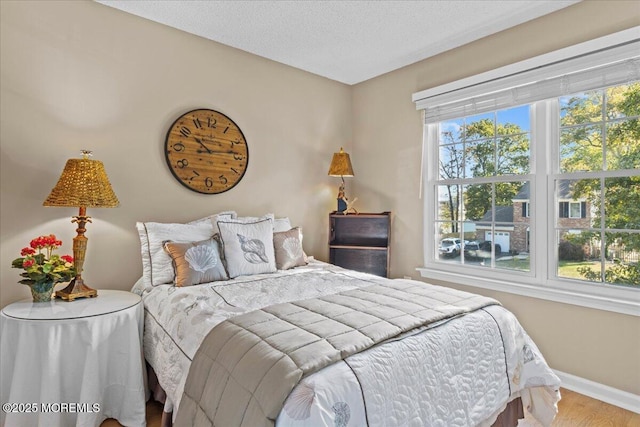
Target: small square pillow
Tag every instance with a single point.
(288, 249)
(196, 262)
(248, 246)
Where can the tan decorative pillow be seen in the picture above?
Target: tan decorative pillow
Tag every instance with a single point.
(196, 262)
(288, 249)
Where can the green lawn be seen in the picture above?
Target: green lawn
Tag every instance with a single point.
(567, 269)
(570, 268)
(514, 263)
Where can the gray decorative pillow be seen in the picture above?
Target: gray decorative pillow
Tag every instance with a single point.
(196, 262)
(288, 249)
(248, 246)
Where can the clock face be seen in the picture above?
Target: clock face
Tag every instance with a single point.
(206, 151)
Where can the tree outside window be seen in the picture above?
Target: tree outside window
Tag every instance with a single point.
(485, 164)
(600, 140)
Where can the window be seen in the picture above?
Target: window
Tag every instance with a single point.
(573, 210)
(540, 184)
(482, 161)
(598, 163)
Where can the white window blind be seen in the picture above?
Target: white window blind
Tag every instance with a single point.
(607, 67)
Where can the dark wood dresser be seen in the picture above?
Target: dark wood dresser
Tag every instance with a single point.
(360, 241)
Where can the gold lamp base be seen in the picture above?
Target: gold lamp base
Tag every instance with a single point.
(76, 289)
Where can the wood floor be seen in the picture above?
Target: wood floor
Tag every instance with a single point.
(575, 410)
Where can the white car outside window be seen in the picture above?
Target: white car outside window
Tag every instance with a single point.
(449, 247)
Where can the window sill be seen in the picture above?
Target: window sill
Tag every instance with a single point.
(618, 300)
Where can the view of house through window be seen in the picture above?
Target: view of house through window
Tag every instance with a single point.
(484, 165)
(599, 167)
(485, 187)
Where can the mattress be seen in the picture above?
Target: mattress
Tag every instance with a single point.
(462, 371)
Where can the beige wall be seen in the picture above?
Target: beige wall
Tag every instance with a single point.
(78, 74)
(81, 75)
(596, 345)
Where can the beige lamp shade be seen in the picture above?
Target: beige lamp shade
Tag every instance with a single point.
(340, 164)
(83, 182)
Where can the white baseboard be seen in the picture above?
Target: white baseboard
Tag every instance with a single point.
(613, 396)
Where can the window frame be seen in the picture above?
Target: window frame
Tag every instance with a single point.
(541, 281)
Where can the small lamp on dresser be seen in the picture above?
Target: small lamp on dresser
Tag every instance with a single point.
(83, 183)
(341, 166)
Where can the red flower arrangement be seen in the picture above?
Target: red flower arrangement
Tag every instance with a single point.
(41, 265)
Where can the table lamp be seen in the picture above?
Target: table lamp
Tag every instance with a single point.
(341, 166)
(83, 183)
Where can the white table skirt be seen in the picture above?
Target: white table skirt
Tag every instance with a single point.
(85, 354)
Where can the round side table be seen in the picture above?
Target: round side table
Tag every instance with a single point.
(73, 363)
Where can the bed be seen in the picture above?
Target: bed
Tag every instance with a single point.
(464, 365)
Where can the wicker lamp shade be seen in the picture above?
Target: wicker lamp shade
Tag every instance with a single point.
(83, 182)
(340, 164)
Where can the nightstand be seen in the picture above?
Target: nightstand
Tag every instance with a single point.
(73, 363)
(360, 241)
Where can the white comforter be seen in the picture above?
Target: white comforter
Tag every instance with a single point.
(464, 372)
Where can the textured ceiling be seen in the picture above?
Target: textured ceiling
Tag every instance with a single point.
(347, 41)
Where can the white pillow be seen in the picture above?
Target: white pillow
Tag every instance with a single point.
(211, 219)
(157, 268)
(253, 218)
(139, 287)
(247, 246)
(281, 224)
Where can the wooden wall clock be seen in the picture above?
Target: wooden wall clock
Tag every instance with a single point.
(206, 151)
